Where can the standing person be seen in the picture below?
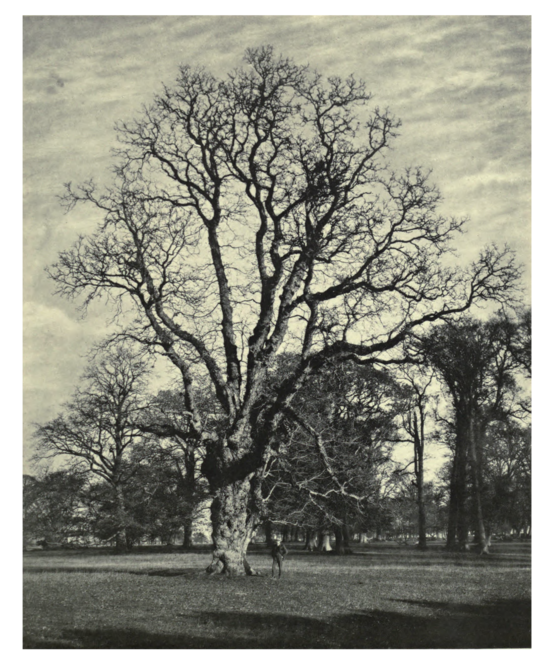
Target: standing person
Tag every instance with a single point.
(278, 552)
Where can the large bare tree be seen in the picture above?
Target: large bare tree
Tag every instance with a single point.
(257, 214)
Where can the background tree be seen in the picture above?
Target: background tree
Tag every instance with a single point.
(52, 507)
(180, 450)
(521, 342)
(29, 484)
(336, 451)
(97, 429)
(507, 499)
(476, 363)
(257, 214)
(158, 503)
(414, 424)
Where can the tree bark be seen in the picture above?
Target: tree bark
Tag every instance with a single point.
(457, 534)
(188, 531)
(342, 547)
(481, 535)
(324, 543)
(319, 539)
(121, 539)
(339, 545)
(232, 529)
(346, 538)
(419, 473)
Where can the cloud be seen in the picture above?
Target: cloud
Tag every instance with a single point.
(55, 345)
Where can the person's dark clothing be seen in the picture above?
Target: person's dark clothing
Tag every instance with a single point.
(278, 552)
(278, 549)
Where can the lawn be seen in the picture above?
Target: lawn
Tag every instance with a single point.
(382, 596)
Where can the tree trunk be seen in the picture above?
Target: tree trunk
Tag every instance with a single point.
(346, 538)
(187, 532)
(324, 545)
(339, 545)
(121, 539)
(481, 539)
(419, 473)
(457, 534)
(453, 509)
(342, 547)
(232, 529)
(319, 539)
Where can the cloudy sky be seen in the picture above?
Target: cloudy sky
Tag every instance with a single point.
(460, 84)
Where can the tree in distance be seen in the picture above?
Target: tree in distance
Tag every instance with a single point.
(254, 215)
(478, 363)
(334, 459)
(98, 429)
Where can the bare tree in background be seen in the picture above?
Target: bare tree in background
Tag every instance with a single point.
(336, 453)
(168, 419)
(97, 429)
(257, 214)
(414, 424)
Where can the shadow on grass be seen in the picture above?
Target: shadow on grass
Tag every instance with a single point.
(102, 551)
(505, 624)
(410, 557)
(166, 573)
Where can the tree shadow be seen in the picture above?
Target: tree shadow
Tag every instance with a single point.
(412, 557)
(167, 573)
(105, 551)
(503, 624)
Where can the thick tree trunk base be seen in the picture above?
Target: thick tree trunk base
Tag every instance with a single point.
(121, 544)
(187, 535)
(230, 565)
(479, 549)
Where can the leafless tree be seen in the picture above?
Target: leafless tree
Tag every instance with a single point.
(336, 453)
(257, 214)
(418, 380)
(98, 428)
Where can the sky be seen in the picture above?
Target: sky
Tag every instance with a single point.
(460, 85)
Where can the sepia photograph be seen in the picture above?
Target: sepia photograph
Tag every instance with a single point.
(277, 332)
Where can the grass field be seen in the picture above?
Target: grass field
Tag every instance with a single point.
(382, 596)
